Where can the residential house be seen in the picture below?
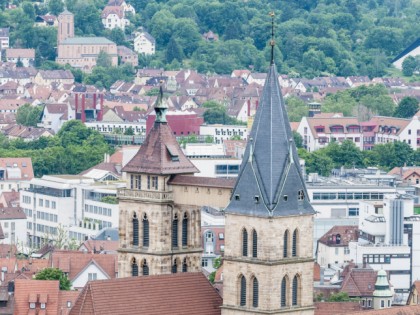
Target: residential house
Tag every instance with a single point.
(25, 56)
(355, 81)
(210, 37)
(243, 74)
(48, 77)
(258, 78)
(116, 296)
(99, 246)
(81, 267)
(213, 236)
(413, 297)
(333, 246)
(55, 115)
(144, 43)
(114, 17)
(9, 199)
(224, 132)
(15, 173)
(11, 88)
(46, 20)
(127, 7)
(412, 50)
(126, 55)
(408, 175)
(182, 102)
(145, 74)
(25, 133)
(13, 223)
(4, 38)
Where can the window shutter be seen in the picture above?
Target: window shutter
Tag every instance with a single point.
(283, 293)
(174, 267)
(285, 243)
(295, 291)
(145, 231)
(244, 243)
(184, 265)
(243, 291)
(255, 293)
(145, 268)
(135, 231)
(185, 231)
(294, 243)
(254, 244)
(175, 232)
(134, 269)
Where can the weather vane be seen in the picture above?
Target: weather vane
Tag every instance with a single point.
(272, 42)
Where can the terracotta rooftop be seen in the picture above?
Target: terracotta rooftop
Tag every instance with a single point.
(12, 213)
(399, 310)
(23, 164)
(359, 282)
(20, 53)
(334, 308)
(202, 181)
(99, 245)
(9, 199)
(340, 236)
(146, 294)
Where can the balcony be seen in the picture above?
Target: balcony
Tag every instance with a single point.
(145, 195)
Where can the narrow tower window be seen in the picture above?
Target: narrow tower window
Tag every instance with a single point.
(145, 231)
(134, 268)
(175, 231)
(294, 243)
(295, 291)
(244, 243)
(145, 268)
(135, 230)
(285, 244)
(242, 297)
(185, 230)
(184, 265)
(175, 267)
(283, 300)
(254, 244)
(255, 293)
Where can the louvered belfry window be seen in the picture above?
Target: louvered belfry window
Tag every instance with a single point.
(135, 230)
(285, 243)
(134, 268)
(145, 268)
(295, 291)
(255, 293)
(175, 232)
(145, 231)
(184, 265)
(283, 299)
(244, 243)
(175, 267)
(243, 292)
(294, 243)
(185, 230)
(254, 244)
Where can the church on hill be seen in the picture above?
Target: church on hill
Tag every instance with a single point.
(80, 52)
(268, 260)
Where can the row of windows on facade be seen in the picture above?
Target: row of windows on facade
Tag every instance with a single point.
(284, 291)
(98, 210)
(27, 200)
(145, 267)
(286, 237)
(145, 231)
(152, 182)
(348, 196)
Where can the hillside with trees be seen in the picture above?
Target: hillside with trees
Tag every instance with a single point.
(314, 37)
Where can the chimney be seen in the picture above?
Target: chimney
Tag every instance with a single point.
(77, 105)
(83, 116)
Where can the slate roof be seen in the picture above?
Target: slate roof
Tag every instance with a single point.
(86, 41)
(270, 169)
(175, 294)
(407, 50)
(160, 152)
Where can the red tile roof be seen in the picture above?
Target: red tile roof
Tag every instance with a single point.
(12, 213)
(347, 233)
(359, 282)
(100, 245)
(175, 294)
(24, 164)
(334, 308)
(399, 310)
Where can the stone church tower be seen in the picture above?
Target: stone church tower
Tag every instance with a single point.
(65, 26)
(268, 262)
(157, 235)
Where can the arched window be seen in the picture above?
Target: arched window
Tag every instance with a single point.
(185, 230)
(134, 268)
(294, 242)
(175, 267)
(283, 293)
(295, 291)
(135, 230)
(184, 265)
(175, 231)
(254, 244)
(145, 231)
(244, 243)
(255, 292)
(242, 297)
(145, 268)
(285, 244)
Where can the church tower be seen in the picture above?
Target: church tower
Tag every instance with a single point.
(157, 235)
(268, 262)
(65, 26)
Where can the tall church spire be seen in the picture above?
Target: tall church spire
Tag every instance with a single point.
(270, 182)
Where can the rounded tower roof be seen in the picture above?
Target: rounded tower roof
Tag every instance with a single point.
(382, 288)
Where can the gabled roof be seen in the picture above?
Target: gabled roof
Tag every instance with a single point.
(399, 310)
(270, 178)
(182, 293)
(160, 152)
(359, 282)
(346, 234)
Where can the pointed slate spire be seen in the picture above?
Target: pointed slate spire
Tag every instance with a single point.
(270, 182)
(160, 106)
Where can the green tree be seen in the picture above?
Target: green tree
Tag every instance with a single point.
(28, 115)
(409, 65)
(55, 7)
(54, 274)
(407, 107)
(319, 162)
(297, 138)
(173, 51)
(129, 131)
(345, 154)
(339, 297)
(296, 108)
(104, 60)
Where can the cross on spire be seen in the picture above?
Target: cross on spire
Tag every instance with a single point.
(272, 42)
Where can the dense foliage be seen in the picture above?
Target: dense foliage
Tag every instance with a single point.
(314, 37)
(28, 115)
(74, 149)
(54, 274)
(385, 156)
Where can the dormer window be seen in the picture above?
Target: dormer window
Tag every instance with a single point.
(32, 305)
(301, 195)
(43, 306)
